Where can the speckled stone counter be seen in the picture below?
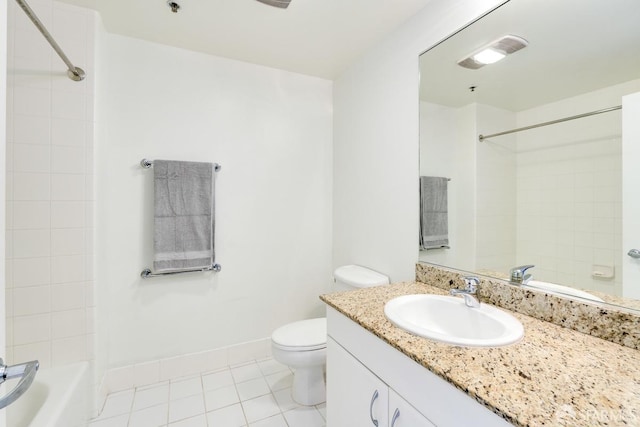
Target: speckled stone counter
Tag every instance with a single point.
(553, 377)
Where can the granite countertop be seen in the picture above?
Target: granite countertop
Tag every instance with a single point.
(553, 377)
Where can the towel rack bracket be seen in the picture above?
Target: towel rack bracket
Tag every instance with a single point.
(147, 273)
(146, 163)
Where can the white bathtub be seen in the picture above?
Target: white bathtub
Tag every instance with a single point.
(58, 397)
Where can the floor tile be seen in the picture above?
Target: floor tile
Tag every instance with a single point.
(260, 408)
(252, 388)
(246, 372)
(118, 421)
(186, 408)
(153, 396)
(117, 404)
(198, 421)
(255, 394)
(322, 408)
(185, 388)
(216, 380)
(275, 421)
(231, 416)
(221, 397)
(284, 399)
(271, 366)
(304, 416)
(154, 416)
(280, 380)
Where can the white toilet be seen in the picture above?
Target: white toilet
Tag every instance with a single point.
(302, 345)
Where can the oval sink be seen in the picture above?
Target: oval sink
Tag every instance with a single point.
(449, 320)
(561, 290)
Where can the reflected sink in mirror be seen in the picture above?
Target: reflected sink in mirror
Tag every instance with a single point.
(447, 319)
(561, 290)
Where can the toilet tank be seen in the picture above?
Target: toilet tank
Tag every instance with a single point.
(350, 277)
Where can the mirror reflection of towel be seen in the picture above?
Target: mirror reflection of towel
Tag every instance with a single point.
(434, 223)
(183, 215)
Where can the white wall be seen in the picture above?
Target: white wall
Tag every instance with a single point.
(49, 287)
(376, 126)
(271, 132)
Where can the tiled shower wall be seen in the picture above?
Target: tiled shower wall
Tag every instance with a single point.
(49, 281)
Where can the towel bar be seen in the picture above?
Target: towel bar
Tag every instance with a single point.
(146, 163)
(147, 273)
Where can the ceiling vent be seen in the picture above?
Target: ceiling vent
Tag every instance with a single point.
(282, 4)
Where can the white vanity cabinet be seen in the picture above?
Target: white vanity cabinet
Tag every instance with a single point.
(402, 414)
(359, 398)
(359, 365)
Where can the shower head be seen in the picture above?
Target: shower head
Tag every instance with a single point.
(282, 4)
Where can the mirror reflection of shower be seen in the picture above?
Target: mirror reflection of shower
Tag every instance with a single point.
(533, 145)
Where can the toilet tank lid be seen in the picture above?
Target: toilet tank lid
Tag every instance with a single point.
(359, 277)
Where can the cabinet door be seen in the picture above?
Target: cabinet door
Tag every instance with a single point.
(355, 396)
(402, 414)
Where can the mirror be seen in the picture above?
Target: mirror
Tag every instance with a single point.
(551, 196)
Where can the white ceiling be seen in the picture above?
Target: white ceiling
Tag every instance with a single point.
(575, 46)
(313, 37)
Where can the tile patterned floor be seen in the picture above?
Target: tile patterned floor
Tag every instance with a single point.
(256, 394)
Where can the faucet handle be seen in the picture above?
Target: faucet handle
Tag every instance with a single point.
(471, 283)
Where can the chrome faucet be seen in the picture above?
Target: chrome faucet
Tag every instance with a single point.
(25, 371)
(471, 287)
(518, 276)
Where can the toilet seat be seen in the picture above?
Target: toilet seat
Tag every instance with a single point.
(304, 335)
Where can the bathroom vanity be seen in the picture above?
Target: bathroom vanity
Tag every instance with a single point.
(554, 376)
(369, 380)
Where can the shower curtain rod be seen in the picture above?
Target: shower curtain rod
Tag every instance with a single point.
(552, 122)
(74, 73)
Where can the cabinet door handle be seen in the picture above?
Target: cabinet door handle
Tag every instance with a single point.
(396, 415)
(373, 399)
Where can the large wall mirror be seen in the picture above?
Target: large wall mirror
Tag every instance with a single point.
(563, 196)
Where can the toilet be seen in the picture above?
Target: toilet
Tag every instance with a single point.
(302, 345)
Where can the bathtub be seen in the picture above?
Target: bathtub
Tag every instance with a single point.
(58, 397)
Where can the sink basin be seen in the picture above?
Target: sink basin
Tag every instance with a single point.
(561, 290)
(447, 319)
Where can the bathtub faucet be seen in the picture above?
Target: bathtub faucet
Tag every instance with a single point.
(25, 371)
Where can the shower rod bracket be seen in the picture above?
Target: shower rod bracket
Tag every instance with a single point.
(77, 74)
(74, 73)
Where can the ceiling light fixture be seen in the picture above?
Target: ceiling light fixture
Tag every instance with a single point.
(493, 52)
(282, 4)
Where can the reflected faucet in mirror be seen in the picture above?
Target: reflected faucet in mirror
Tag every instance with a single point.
(518, 274)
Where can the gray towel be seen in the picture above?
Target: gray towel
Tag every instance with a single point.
(183, 215)
(434, 228)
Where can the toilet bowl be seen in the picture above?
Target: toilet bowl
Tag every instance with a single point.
(302, 345)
